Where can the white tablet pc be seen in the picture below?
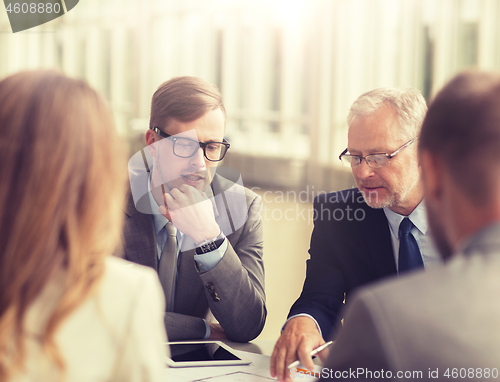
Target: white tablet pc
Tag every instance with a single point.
(202, 353)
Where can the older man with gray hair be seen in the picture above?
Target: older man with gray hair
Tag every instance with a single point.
(367, 233)
(444, 324)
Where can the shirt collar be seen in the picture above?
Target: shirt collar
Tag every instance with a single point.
(418, 217)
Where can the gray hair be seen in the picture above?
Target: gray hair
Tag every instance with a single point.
(409, 105)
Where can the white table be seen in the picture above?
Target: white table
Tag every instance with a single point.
(264, 347)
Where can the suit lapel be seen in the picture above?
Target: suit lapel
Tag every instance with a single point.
(139, 236)
(378, 237)
(231, 209)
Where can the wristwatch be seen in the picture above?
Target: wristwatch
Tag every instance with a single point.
(210, 245)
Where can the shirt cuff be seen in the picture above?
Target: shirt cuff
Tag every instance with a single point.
(304, 315)
(207, 330)
(209, 260)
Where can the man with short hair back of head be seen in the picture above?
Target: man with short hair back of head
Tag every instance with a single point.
(444, 324)
(365, 234)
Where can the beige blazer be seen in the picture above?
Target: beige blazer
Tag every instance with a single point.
(116, 334)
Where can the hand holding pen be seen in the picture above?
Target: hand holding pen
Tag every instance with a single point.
(312, 353)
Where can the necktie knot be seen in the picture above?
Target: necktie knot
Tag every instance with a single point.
(405, 227)
(170, 229)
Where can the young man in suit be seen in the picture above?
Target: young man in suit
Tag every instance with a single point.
(444, 324)
(201, 231)
(364, 234)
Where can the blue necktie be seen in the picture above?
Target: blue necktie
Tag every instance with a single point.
(409, 254)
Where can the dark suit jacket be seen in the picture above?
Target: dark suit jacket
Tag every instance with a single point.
(350, 246)
(238, 279)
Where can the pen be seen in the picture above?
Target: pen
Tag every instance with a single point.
(312, 353)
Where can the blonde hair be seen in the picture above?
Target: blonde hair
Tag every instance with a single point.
(61, 196)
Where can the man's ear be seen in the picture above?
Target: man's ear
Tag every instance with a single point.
(432, 176)
(150, 140)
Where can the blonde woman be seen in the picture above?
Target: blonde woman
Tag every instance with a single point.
(68, 311)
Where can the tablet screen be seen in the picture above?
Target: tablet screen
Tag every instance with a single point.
(186, 352)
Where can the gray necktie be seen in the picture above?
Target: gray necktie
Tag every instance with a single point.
(168, 266)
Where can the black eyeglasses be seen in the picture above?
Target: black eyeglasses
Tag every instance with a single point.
(187, 147)
(372, 160)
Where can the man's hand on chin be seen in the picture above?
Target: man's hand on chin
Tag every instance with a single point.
(297, 340)
(191, 212)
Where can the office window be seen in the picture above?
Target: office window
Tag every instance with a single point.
(106, 62)
(428, 64)
(275, 76)
(219, 49)
(468, 41)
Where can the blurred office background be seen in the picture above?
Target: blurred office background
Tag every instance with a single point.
(288, 71)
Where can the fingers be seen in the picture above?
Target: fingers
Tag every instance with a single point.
(278, 359)
(304, 356)
(187, 189)
(284, 353)
(164, 209)
(300, 336)
(176, 194)
(174, 199)
(185, 195)
(165, 212)
(323, 355)
(216, 332)
(191, 212)
(169, 201)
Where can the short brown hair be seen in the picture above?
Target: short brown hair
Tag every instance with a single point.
(185, 99)
(462, 127)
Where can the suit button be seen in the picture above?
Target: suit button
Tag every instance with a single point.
(212, 292)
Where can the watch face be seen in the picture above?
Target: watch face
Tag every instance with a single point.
(210, 246)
